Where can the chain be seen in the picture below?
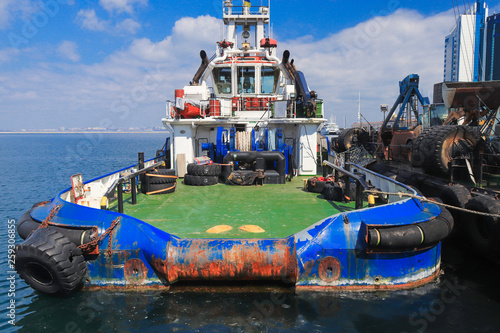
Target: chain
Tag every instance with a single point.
(53, 212)
(423, 199)
(43, 203)
(88, 247)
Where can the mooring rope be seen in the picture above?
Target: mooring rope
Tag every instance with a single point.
(424, 199)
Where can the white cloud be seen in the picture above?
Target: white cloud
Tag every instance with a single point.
(9, 9)
(69, 50)
(4, 13)
(89, 20)
(120, 6)
(128, 25)
(130, 86)
(372, 58)
(7, 54)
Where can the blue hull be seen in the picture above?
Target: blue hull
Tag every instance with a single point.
(333, 253)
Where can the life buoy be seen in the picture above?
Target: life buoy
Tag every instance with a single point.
(50, 263)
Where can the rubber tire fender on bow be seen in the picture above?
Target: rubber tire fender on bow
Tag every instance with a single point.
(50, 263)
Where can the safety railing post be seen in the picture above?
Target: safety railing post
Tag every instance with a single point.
(120, 197)
(359, 195)
(134, 190)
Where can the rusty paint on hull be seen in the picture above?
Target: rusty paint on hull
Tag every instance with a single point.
(208, 259)
(409, 285)
(135, 271)
(227, 259)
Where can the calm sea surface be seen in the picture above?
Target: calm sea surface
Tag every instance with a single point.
(34, 167)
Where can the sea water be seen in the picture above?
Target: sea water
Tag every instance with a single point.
(35, 167)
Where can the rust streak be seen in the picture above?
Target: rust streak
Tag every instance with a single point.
(245, 261)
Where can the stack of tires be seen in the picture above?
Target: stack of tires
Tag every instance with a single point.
(160, 181)
(202, 175)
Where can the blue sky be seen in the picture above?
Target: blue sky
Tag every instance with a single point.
(113, 63)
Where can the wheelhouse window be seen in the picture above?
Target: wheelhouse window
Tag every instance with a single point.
(222, 78)
(269, 78)
(246, 80)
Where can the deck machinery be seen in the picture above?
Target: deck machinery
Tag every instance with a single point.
(402, 123)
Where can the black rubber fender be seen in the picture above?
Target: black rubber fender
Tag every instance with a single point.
(50, 263)
(412, 236)
(483, 232)
(456, 195)
(27, 225)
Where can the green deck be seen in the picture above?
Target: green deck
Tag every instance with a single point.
(281, 210)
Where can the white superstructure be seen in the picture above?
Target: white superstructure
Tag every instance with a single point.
(248, 91)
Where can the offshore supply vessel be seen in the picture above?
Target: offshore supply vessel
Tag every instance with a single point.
(233, 194)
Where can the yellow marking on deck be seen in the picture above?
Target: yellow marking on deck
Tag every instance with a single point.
(251, 228)
(219, 229)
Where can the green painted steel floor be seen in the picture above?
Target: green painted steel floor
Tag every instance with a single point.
(280, 210)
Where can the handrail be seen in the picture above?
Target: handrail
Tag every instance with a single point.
(130, 176)
(116, 185)
(360, 182)
(347, 173)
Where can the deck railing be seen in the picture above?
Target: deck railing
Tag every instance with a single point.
(259, 107)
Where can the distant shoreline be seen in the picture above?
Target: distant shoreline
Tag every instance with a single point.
(87, 132)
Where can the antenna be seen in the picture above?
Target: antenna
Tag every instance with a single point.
(359, 109)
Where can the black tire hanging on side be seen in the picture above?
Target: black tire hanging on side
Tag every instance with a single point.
(483, 231)
(406, 178)
(164, 176)
(50, 263)
(154, 189)
(456, 195)
(193, 180)
(204, 169)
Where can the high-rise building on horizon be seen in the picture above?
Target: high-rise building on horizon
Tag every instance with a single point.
(464, 51)
(492, 51)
